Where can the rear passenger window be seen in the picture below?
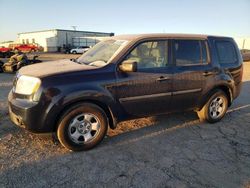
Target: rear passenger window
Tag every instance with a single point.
(190, 52)
(226, 52)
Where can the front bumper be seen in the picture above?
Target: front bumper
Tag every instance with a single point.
(16, 119)
(29, 115)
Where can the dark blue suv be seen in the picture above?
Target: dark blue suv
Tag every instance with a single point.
(126, 77)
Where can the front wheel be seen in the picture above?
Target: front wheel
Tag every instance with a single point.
(82, 127)
(215, 108)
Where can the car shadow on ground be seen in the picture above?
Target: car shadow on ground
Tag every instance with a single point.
(183, 152)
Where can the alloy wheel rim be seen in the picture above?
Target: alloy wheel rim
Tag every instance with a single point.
(217, 107)
(83, 128)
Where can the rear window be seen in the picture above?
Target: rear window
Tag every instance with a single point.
(190, 52)
(226, 52)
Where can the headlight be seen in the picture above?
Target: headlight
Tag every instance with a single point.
(27, 85)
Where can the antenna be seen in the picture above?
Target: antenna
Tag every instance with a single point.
(74, 27)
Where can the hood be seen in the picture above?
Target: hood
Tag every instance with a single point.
(53, 67)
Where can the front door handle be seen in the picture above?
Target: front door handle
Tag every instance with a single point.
(208, 73)
(162, 78)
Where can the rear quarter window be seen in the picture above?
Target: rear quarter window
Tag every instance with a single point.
(226, 52)
(190, 52)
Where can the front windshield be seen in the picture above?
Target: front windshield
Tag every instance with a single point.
(102, 53)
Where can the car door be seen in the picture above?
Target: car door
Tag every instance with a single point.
(148, 90)
(191, 72)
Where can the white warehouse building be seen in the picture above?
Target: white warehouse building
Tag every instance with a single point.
(55, 39)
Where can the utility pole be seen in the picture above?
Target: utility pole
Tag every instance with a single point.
(243, 46)
(74, 28)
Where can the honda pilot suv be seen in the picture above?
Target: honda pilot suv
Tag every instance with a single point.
(126, 77)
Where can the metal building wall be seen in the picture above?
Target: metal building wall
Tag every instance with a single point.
(54, 40)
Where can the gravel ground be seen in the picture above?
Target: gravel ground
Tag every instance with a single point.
(174, 150)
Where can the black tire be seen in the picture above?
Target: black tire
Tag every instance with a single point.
(1, 66)
(206, 114)
(64, 129)
(74, 52)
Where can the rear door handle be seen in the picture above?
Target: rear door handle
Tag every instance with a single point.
(162, 78)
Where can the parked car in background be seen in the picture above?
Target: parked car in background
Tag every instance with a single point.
(127, 77)
(5, 49)
(79, 50)
(26, 48)
(245, 54)
(5, 52)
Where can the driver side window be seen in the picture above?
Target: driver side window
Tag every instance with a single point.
(151, 54)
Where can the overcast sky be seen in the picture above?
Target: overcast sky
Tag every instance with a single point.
(219, 17)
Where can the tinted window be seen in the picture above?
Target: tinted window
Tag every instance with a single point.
(150, 54)
(189, 52)
(226, 52)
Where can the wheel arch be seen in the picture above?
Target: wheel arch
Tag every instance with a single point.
(225, 88)
(111, 119)
(228, 91)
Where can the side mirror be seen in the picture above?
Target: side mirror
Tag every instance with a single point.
(128, 66)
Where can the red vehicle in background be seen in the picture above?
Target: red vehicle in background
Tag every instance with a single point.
(26, 48)
(5, 52)
(4, 49)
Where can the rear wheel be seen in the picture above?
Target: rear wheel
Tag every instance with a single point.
(82, 127)
(215, 108)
